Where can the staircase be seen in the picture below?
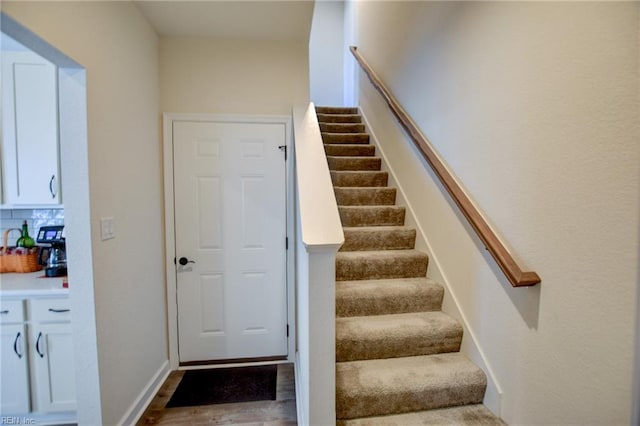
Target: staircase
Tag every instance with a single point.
(398, 359)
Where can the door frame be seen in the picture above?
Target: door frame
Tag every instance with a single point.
(169, 221)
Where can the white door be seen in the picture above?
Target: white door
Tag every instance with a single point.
(230, 224)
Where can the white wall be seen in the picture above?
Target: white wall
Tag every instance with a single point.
(120, 53)
(534, 106)
(326, 56)
(228, 76)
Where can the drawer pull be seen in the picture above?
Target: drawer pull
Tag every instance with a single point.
(38, 345)
(59, 311)
(15, 345)
(5, 312)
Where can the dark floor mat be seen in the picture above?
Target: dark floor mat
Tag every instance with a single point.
(225, 385)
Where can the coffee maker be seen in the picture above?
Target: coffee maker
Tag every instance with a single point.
(53, 255)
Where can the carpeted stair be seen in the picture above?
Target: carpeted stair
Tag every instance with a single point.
(398, 359)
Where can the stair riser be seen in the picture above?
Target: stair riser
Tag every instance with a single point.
(355, 240)
(345, 138)
(400, 385)
(364, 179)
(339, 118)
(341, 128)
(397, 345)
(372, 216)
(354, 163)
(350, 150)
(336, 110)
(377, 268)
(365, 196)
(353, 302)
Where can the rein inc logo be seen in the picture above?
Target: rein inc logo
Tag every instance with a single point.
(16, 420)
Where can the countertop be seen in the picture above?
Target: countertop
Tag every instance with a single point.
(31, 284)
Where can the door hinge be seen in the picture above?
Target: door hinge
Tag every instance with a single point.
(283, 148)
(286, 243)
(287, 330)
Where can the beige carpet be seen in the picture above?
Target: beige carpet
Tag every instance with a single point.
(398, 359)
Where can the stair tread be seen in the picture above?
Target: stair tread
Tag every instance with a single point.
(336, 110)
(412, 322)
(345, 138)
(396, 335)
(349, 150)
(360, 172)
(352, 157)
(387, 296)
(381, 254)
(476, 414)
(376, 228)
(338, 118)
(384, 215)
(353, 163)
(381, 264)
(351, 179)
(374, 207)
(365, 196)
(348, 145)
(342, 127)
(396, 385)
(382, 237)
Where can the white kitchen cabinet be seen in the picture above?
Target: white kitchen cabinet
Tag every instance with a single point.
(52, 376)
(53, 371)
(30, 159)
(38, 374)
(14, 390)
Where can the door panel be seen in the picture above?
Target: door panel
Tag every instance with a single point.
(230, 219)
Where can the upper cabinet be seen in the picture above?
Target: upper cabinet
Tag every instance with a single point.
(30, 155)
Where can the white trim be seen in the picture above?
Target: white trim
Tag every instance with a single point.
(172, 310)
(300, 415)
(493, 394)
(235, 364)
(137, 409)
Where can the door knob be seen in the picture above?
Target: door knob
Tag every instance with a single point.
(183, 261)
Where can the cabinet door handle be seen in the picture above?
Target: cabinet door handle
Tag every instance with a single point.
(5, 312)
(59, 311)
(15, 345)
(38, 345)
(51, 187)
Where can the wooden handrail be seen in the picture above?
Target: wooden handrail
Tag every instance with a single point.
(516, 276)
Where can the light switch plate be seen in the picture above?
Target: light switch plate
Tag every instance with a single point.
(107, 228)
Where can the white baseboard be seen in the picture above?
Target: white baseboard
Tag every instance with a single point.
(135, 412)
(470, 347)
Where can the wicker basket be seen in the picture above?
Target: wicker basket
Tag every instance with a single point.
(20, 260)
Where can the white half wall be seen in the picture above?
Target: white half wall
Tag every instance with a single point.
(326, 55)
(119, 51)
(534, 107)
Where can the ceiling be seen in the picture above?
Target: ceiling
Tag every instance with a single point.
(261, 19)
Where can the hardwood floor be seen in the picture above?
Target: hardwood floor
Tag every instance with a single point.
(282, 411)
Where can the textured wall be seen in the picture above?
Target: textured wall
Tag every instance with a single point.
(326, 54)
(225, 76)
(534, 106)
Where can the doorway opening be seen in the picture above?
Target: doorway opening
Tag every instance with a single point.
(72, 130)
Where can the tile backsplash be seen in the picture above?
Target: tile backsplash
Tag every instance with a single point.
(35, 219)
